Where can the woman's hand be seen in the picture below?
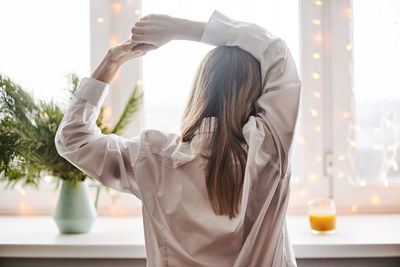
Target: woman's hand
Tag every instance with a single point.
(124, 51)
(116, 56)
(154, 29)
(158, 29)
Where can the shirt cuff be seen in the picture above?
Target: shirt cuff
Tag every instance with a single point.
(218, 30)
(92, 90)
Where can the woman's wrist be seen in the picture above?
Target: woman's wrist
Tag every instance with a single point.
(189, 30)
(107, 69)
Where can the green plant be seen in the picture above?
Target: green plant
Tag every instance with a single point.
(28, 129)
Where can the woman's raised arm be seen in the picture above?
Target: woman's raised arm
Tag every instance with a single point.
(159, 29)
(110, 159)
(279, 103)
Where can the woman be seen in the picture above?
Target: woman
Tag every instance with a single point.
(216, 195)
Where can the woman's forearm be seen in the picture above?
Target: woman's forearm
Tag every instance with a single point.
(184, 30)
(189, 30)
(106, 70)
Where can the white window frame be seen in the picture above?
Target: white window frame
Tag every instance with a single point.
(314, 181)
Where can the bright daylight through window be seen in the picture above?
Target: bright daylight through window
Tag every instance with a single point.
(376, 89)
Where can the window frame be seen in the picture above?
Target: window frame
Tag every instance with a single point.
(117, 19)
(314, 181)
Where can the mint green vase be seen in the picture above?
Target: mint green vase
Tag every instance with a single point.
(75, 211)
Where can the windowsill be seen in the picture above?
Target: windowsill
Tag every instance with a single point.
(356, 236)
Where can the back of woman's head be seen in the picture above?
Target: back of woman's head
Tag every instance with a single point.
(227, 84)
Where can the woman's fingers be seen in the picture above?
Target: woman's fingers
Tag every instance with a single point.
(147, 17)
(140, 29)
(129, 43)
(139, 38)
(155, 29)
(144, 47)
(141, 23)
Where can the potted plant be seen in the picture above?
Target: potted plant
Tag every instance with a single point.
(27, 132)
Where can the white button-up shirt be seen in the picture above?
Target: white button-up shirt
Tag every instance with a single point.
(180, 226)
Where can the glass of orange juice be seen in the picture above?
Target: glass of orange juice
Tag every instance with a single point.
(322, 215)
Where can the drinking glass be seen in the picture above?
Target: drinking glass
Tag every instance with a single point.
(322, 215)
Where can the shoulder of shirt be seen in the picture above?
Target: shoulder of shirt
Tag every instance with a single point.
(160, 142)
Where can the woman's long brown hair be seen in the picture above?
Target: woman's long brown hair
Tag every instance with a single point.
(226, 85)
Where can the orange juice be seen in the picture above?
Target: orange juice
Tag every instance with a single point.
(323, 222)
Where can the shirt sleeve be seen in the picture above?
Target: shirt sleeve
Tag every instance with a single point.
(110, 159)
(278, 104)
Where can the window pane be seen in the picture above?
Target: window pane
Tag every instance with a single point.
(376, 39)
(42, 42)
(168, 72)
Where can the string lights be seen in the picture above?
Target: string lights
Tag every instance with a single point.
(318, 37)
(354, 208)
(116, 6)
(316, 76)
(47, 178)
(314, 112)
(389, 124)
(302, 193)
(312, 176)
(107, 112)
(317, 22)
(375, 199)
(114, 40)
(385, 136)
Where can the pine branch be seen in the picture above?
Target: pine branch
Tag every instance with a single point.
(130, 108)
(73, 82)
(15, 101)
(27, 133)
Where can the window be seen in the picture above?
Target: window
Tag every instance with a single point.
(364, 106)
(349, 105)
(347, 140)
(42, 43)
(376, 91)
